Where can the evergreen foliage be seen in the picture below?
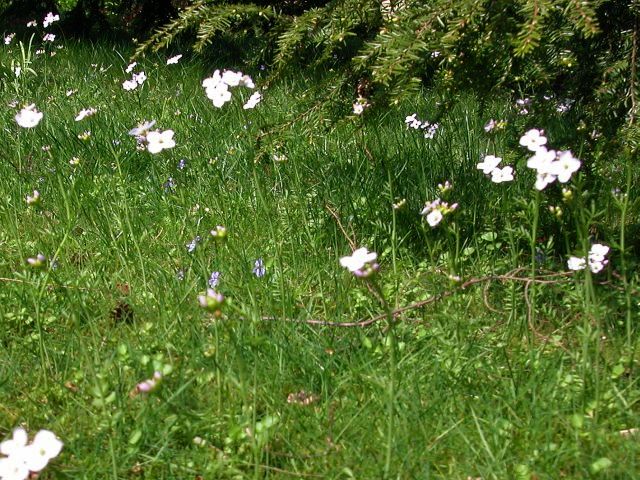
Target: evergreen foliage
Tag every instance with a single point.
(583, 50)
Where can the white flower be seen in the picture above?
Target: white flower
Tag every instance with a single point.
(542, 160)
(129, 85)
(49, 19)
(232, 78)
(253, 101)
(576, 263)
(142, 129)
(32, 23)
(361, 262)
(599, 250)
(502, 175)
(219, 94)
(158, 141)
(544, 179)
(564, 166)
(28, 117)
(49, 37)
(213, 80)
(490, 125)
(533, 139)
(174, 60)
(45, 446)
(246, 81)
(434, 218)
(16, 443)
(130, 67)
(489, 164)
(410, 118)
(33, 199)
(86, 112)
(139, 78)
(13, 468)
(17, 70)
(9, 38)
(358, 108)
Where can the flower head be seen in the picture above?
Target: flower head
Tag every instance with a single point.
(49, 37)
(85, 112)
(38, 262)
(219, 233)
(219, 94)
(33, 200)
(500, 175)
(174, 60)
(49, 19)
(576, 263)
(361, 262)
(533, 139)
(28, 117)
(434, 217)
(9, 38)
(214, 279)
(489, 164)
(211, 301)
(259, 270)
(565, 166)
(158, 141)
(129, 85)
(254, 99)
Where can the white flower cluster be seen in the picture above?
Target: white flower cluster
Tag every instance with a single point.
(174, 60)
(489, 166)
(435, 211)
(154, 141)
(23, 459)
(49, 19)
(136, 78)
(429, 129)
(9, 38)
(217, 87)
(359, 105)
(86, 112)
(596, 259)
(362, 263)
(550, 165)
(29, 116)
(49, 37)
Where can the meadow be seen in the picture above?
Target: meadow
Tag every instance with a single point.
(468, 348)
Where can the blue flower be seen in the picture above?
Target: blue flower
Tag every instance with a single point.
(182, 163)
(259, 269)
(214, 279)
(191, 246)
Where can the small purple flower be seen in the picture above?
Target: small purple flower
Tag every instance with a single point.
(259, 269)
(214, 279)
(191, 246)
(169, 186)
(182, 164)
(180, 274)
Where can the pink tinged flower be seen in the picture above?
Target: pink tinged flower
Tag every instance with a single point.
(253, 101)
(49, 19)
(565, 166)
(28, 117)
(576, 263)
(596, 258)
(130, 67)
(361, 262)
(158, 141)
(139, 78)
(219, 94)
(174, 60)
(33, 200)
(142, 129)
(211, 300)
(434, 218)
(49, 37)
(85, 112)
(129, 85)
(149, 385)
(9, 38)
(489, 164)
(32, 24)
(490, 125)
(542, 160)
(38, 261)
(544, 179)
(502, 175)
(533, 139)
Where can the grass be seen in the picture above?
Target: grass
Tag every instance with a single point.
(507, 378)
